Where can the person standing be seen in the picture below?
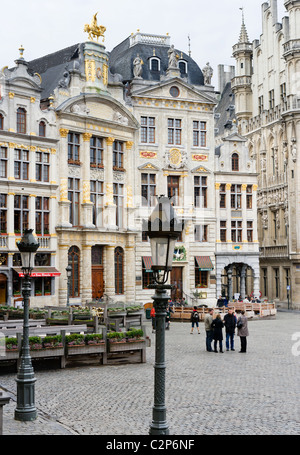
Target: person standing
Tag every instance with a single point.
(208, 319)
(217, 326)
(243, 332)
(195, 320)
(230, 324)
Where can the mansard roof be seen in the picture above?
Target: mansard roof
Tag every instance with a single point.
(123, 55)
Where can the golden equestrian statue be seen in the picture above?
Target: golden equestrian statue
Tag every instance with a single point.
(94, 30)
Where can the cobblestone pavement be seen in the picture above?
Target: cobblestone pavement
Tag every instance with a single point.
(206, 393)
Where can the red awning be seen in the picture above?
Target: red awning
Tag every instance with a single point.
(147, 263)
(39, 271)
(204, 263)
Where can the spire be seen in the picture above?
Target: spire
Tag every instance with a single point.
(244, 34)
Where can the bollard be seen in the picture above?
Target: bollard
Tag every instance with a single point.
(4, 399)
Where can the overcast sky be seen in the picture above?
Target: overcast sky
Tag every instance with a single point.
(213, 26)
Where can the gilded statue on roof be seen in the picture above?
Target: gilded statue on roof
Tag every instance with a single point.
(94, 30)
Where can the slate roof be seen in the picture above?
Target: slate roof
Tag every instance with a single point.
(52, 67)
(122, 56)
(225, 111)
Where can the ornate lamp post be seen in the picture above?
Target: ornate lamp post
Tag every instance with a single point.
(25, 409)
(69, 273)
(163, 229)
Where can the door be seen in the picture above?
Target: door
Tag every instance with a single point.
(97, 272)
(3, 285)
(97, 282)
(176, 281)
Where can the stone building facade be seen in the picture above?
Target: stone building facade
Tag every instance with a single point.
(28, 182)
(105, 133)
(266, 90)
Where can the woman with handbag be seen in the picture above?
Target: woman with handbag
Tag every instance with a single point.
(243, 332)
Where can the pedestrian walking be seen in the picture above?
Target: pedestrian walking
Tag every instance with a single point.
(168, 316)
(243, 332)
(217, 326)
(230, 325)
(152, 314)
(195, 320)
(208, 319)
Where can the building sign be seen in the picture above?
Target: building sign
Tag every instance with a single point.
(147, 154)
(200, 157)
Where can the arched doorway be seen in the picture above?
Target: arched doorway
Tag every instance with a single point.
(237, 280)
(97, 272)
(3, 288)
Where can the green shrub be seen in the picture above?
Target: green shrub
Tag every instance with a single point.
(74, 338)
(134, 333)
(11, 343)
(116, 335)
(92, 338)
(52, 341)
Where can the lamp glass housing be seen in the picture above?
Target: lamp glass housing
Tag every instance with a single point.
(162, 251)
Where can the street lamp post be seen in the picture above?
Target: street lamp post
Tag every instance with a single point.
(25, 410)
(69, 273)
(163, 229)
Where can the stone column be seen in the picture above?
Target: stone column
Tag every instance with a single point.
(244, 213)
(243, 282)
(87, 205)
(32, 159)
(86, 275)
(63, 279)
(228, 212)
(64, 203)
(110, 270)
(254, 208)
(229, 279)
(110, 208)
(217, 189)
(130, 197)
(130, 273)
(31, 220)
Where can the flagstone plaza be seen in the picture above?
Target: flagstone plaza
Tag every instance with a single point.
(256, 393)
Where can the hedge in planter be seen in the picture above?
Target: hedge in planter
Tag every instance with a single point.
(94, 338)
(75, 339)
(11, 344)
(135, 334)
(116, 336)
(52, 341)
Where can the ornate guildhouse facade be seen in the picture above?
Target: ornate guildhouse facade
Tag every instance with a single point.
(95, 172)
(28, 183)
(174, 155)
(237, 248)
(266, 89)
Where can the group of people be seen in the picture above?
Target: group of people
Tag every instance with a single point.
(223, 301)
(214, 329)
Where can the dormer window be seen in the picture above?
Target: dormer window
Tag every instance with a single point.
(42, 129)
(235, 162)
(154, 64)
(182, 66)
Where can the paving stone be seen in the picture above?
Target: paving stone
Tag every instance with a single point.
(206, 393)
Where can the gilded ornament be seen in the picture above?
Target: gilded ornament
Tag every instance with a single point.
(63, 132)
(90, 70)
(86, 137)
(94, 30)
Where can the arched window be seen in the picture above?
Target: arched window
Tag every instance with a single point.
(73, 261)
(21, 120)
(182, 66)
(42, 129)
(154, 64)
(119, 271)
(235, 162)
(1, 121)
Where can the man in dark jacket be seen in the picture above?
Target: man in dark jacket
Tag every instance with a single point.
(230, 325)
(195, 319)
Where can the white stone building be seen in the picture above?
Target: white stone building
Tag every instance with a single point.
(266, 89)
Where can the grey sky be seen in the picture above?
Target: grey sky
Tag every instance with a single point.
(213, 27)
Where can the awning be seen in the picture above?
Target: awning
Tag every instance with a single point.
(39, 271)
(147, 260)
(204, 263)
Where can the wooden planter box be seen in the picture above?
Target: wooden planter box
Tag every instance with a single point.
(126, 345)
(86, 349)
(11, 354)
(47, 352)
